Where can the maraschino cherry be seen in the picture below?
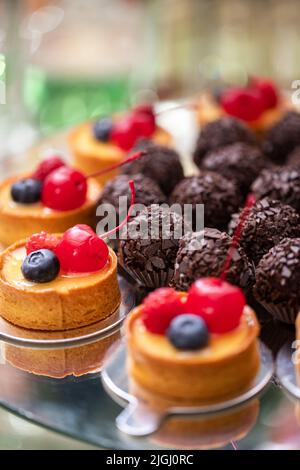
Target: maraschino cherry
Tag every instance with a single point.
(64, 189)
(219, 303)
(267, 89)
(243, 103)
(80, 250)
(139, 123)
(124, 134)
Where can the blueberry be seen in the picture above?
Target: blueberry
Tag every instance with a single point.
(26, 191)
(102, 129)
(188, 332)
(41, 266)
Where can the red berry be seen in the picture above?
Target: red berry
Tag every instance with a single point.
(143, 124)
(81, 251)
(242, 103)
(64, 189)
(144, 109)
(42, 240)
(268, 91)
(219, 303)
(160, 307)
(124, 134)
(46, 166)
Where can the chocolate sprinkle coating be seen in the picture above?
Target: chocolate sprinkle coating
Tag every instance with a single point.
(283, 137)
(147, 192)
(267, 224)
(220, 197)
(281, 183)
(160, 163)
(149, 251)
(278, 274)
(219, 133)
(204, 253)
(240, 162)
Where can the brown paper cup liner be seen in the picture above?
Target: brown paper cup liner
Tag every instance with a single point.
(283, 312)
(152, 279)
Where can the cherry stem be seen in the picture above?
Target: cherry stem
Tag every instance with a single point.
(129, 159)
(250, 201)
(124, 222)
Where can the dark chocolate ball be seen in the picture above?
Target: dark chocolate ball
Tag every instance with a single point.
(204, 254)
(281, 183)
(147, 192)
(240, 162)
(224, 131)
(268, 222)
(283, 137)
(220, 198)
(160, 163)
(149, 251)
(278, 279)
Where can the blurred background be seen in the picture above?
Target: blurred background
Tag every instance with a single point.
(65, 61)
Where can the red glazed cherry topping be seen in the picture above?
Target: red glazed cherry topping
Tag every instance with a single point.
(160, 307)
(147, 112)
(143, 124)
(242, 103)
(42, 240)
(81, 250)
(64, 189)
(46, 167)
(144, 109)
(268, 91)
(219, 303)
(124, 133)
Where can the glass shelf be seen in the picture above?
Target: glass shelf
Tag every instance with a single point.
(76, 403)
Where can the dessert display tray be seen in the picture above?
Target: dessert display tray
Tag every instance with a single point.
(62, 354)
(139, 419)
(286, 371)
(77, 405)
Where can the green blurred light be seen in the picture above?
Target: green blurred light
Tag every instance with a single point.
(2, 64)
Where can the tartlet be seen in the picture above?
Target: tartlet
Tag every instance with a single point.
(209, 109)
(218, 373)
(92, 154)
(18, 221)
(68, 301)
(163, 375)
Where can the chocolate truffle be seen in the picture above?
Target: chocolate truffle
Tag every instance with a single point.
(281, 183)
(224, 131)
(149, 251)
(147, 192)
(160, 163)
(240, 162)
(283, 137)
(278, 280)
(204, 253)
(267, 224)
(219, 196)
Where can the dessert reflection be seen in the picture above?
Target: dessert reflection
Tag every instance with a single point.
(66, 361)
